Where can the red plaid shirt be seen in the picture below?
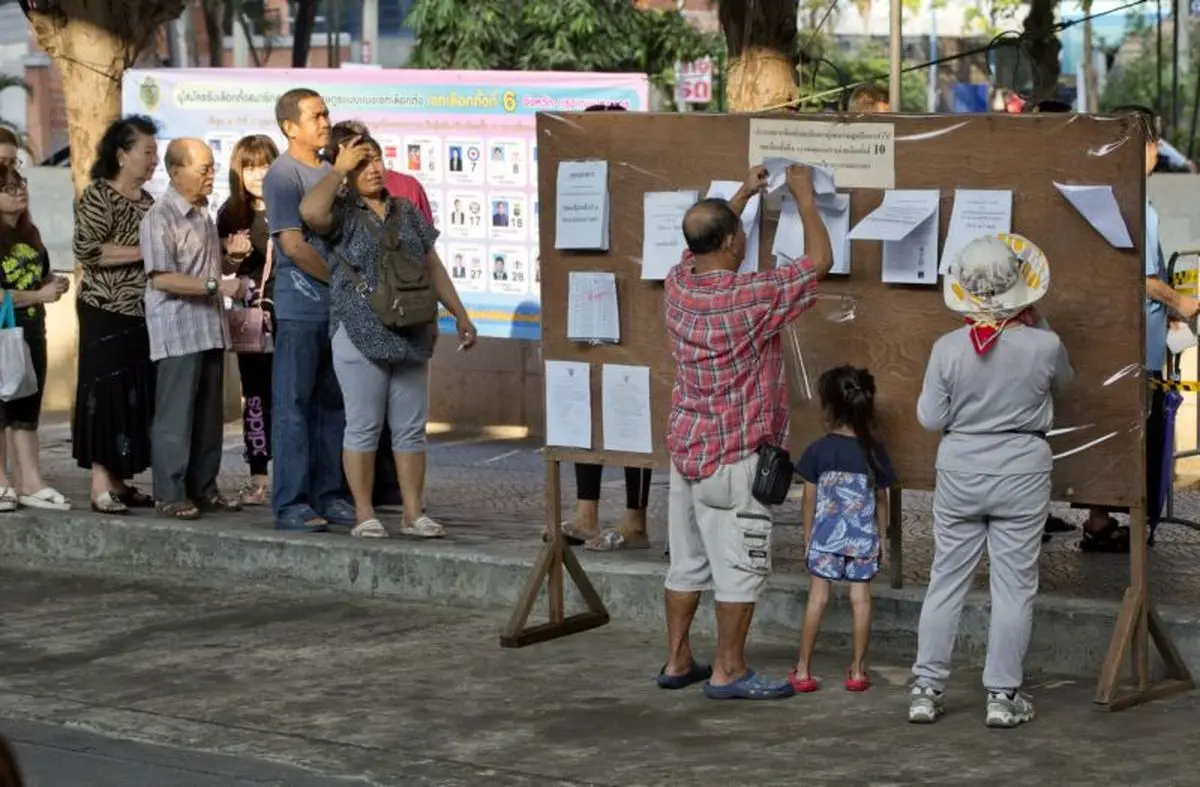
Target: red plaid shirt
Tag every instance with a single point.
(730, 394)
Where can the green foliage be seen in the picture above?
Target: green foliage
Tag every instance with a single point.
(867, 64)
(555, 35)
(1135, 81)
(989, 18)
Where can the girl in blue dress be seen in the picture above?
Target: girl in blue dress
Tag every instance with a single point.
(846, 477)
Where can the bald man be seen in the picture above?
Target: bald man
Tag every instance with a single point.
(185, 317)
(729, 400)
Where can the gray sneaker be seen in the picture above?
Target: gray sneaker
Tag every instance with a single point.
(1005, 710)
(925, 706)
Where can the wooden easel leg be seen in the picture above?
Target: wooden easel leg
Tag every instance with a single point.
(555, 555)
(895, 537)
(1137, 624)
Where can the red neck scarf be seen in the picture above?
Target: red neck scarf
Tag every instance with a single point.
(984, 333)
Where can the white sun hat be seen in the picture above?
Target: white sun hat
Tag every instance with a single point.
(996, 276)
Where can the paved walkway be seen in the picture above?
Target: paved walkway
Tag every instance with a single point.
(491, 492)
(392, 693)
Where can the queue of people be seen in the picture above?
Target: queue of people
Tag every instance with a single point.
(279, 278)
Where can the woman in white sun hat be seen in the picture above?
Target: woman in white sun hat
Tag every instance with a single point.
(988, 389)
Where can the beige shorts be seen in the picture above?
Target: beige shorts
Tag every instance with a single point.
(719, 535)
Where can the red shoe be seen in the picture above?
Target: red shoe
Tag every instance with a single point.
(802, 685)
(857, 684)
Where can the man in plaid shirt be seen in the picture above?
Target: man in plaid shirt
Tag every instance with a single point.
(729, 398)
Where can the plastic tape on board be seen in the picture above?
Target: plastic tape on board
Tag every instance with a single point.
(1185, 281)
(1181, 386)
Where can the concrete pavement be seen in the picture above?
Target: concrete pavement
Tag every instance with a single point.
(489, 494)
(385, 692)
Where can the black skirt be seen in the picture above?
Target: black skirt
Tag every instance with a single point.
(114, 398)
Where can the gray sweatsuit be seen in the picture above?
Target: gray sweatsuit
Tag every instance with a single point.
(993, 488)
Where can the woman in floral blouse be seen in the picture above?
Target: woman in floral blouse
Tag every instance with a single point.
(27, 283)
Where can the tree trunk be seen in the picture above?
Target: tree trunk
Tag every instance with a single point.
(761, 41)
(302, 31)
(92, 42)
(1043, 48)
(90, 63)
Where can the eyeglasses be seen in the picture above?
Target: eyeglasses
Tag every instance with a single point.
(13, 188)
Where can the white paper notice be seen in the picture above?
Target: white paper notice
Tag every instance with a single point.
(592, 313)
(582, 220)
(835, 215)
(897, 216)
(907, 223)
(568, 404)
(1098, 206)
(662, 230)
(976, 214)
(725, 189)
(626, 408)
(860, 155)
(822, 177)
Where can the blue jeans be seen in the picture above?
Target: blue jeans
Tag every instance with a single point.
(307, 423)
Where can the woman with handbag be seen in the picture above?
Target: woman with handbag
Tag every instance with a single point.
(26, 286)
(387, 281)
(242, 226)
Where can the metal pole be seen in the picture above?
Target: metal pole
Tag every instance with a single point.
(933, 56)
(1175, 67)
(1158, 63)
(895, 52)
(370, 31)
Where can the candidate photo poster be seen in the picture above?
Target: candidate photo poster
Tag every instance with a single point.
(466, 137)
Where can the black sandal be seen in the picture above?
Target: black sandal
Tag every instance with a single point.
(133, 497)
(1112, 539)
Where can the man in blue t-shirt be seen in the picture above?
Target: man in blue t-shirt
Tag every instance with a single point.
(308, 490)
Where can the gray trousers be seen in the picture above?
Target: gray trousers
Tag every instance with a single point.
(1008, 515)
(185, 438)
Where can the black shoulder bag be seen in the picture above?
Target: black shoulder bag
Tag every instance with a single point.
(772, 475)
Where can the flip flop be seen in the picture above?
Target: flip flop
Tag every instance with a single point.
(369, 528)
(697, 673)
(749, 687)
(8, 499)
(615, 541)
(47, 499)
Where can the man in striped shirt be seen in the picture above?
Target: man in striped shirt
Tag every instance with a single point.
(730, 397)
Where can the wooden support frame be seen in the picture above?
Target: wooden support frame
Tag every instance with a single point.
(555, 556)
(1138, 623)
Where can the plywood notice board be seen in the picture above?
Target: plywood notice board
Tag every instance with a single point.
(1095, 301)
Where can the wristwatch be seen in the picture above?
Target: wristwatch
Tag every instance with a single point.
(210, 286)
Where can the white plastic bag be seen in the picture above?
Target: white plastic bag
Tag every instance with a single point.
(18, 378)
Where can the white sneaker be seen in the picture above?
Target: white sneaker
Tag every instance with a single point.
(1008, 711)
(925, 706)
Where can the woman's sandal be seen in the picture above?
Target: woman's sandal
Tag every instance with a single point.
(133, 497)
(8, 499)
(616, 541)
(109, 503)
(423, 527)
(184, 510)
(370, 528)
(252, 494)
